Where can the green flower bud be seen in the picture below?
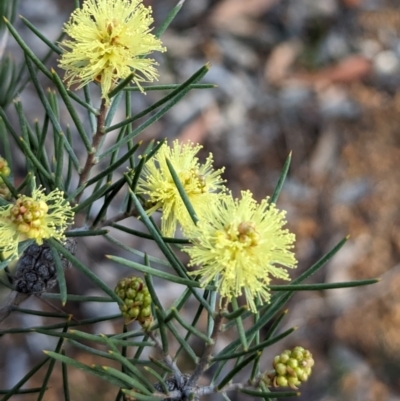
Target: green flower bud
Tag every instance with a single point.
(137, 301)
(291, 368)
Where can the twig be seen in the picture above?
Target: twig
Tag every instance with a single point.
(209, 348)
(90, 160)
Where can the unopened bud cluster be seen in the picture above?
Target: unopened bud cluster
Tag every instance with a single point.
(137, 301)
(27, 215)
(4, 171)
(291, 368)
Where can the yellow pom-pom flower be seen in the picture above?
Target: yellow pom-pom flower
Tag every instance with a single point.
(37, 217)
(109, 39)
(240, 244)
(200, 182)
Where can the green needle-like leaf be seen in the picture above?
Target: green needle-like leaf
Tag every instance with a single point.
(272, 394)
(85, 270)
(141, 397)
(121, 86)
(148, 88)
(94, 370)
(43, 38)
(282, 178)
(182, 192)
(16, 388)
(170, 17)
(240, 366)
(51, 365)
(323, 286)
(74, 115)
(177, 95)
(60, 272)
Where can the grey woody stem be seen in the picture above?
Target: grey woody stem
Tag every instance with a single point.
(209, 348)
(90, 160)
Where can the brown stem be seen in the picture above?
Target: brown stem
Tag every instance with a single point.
(209, 348)
(90, 160)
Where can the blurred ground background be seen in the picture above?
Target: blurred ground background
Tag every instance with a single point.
(319, 78)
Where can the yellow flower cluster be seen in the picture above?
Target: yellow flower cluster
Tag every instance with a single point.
(109, 40)
(200, 182)
(238, 244)
(36, 217)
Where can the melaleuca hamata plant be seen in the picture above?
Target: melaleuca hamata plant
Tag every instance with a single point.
(236, 247)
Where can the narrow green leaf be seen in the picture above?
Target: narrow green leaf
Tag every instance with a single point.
(23, 391)
(85, 270)
(90, 350)
(88, 100)
(170, 17)
(5, 144)
(323, 286)
(148, 88)
(281, 180)
(140, 383)
(275, 324)
(30, 155)
(77, 335)
(178, 94)
(141, 397)
(275, 394)
(59, 270)
(158, 377)
(262, 345)
(16, 388)
(190, 328)
(182, 192)
(157, 238)
(154, 272)
(51, 115)
(136, 252)
(94, 370)
(64, 369)
(26, 49)
(316, 266)
(162, 328)
(80, 298)
(107, 202)
(239, 367)
(74, 115)
(239, 326)
(61, 325)
(40, 313)
(9, 185)
(97, 194)
(50, 44)
(85, 233)
(9, 126)
(111, 113)
(235, 313)
(140, 234)
(160, 365)
(130, 381)
(121, 86)
(51, 365)
(113, 166)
